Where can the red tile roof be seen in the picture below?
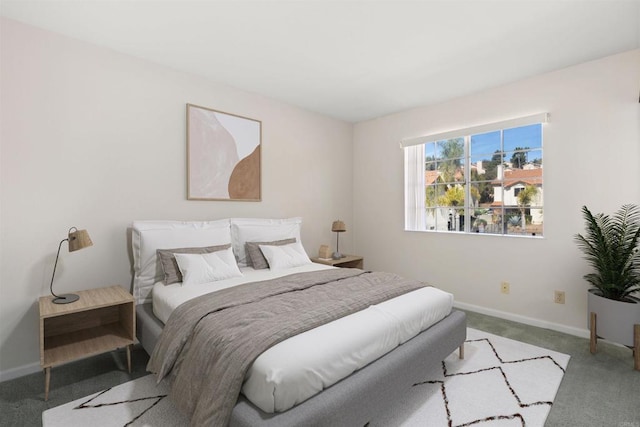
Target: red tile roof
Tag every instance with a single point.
(430, 177)
(521, 176)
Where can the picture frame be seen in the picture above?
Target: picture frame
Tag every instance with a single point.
(223, 156)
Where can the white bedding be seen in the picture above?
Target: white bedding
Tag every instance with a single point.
(299, 367)
(167, 297)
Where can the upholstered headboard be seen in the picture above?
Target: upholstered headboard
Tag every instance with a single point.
(149, 236)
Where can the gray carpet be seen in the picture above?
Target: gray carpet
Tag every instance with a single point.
(600, 390)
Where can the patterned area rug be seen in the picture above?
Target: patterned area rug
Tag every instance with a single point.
(499, 383)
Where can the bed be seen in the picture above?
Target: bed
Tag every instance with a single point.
(355, 399)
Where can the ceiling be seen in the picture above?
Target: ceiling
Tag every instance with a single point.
(352, 60)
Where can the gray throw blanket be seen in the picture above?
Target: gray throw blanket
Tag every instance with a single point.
(210, 342)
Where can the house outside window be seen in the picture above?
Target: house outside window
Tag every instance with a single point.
(488, 179)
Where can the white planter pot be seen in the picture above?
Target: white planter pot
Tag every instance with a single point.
(615, 319)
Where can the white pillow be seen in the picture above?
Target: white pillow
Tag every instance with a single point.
(149, 236)
(205, 268)
(245, 230)
(285, 256)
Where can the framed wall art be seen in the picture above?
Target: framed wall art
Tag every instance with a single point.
(223, 155)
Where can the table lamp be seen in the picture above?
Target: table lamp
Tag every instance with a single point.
(78, 239)
(338, 227)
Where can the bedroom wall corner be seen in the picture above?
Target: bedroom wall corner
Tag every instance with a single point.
(591, 157)
(96, 139)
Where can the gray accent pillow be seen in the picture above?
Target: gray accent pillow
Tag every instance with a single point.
(169, 265)
(255, 258)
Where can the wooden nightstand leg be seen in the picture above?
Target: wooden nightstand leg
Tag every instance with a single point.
(593, 342)
(47, 380)
(636, 347)
(129, 357)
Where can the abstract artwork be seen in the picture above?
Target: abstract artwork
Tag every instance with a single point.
(223, 155)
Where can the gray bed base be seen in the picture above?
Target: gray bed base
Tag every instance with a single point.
(358, 399)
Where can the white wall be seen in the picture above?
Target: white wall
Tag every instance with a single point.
(591, 155)
(95, 139)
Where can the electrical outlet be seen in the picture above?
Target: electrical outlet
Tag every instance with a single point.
(558, 297)
(504, 287)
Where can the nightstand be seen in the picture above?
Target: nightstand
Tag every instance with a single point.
(101, 320)
(349, 261)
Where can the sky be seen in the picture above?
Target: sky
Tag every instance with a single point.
(483, 146)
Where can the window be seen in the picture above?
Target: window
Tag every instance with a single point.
(487, 179)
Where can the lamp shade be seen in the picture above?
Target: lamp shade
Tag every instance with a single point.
(78, 239)
(338, 226)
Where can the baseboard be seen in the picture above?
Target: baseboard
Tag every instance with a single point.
(582, 333)
(20, 371)
(578, 332)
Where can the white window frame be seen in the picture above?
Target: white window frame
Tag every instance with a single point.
(414, 171)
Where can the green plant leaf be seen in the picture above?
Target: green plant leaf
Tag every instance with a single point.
(611, 247)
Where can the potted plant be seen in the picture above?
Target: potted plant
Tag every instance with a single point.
(610, 245)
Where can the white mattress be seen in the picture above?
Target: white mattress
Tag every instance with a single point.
(301, 366)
